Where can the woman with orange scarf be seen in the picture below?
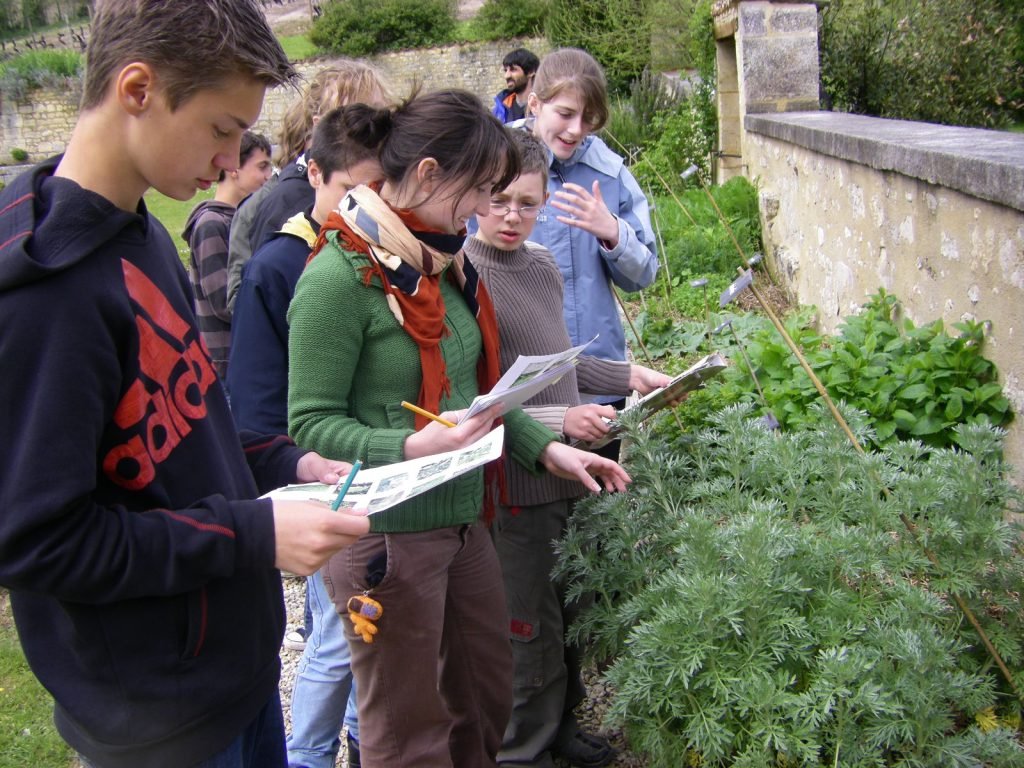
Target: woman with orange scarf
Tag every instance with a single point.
(389, 309)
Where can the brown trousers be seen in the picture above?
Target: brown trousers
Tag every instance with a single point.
(435, 685)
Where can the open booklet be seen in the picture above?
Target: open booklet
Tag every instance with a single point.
(687, 381)
(527, 376)
(377, 489)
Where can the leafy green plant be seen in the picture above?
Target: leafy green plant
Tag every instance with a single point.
(762, 604)
(681, 34)
(19, 155)
(632, 120)
(912, 381)
(694, 236)
(363, 27)
(506, 19)
(686, 136)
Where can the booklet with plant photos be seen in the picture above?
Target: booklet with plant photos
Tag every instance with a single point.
(378, 488)
(687, 381)
(527, 376)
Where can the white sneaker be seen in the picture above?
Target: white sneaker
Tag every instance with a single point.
(295, 640)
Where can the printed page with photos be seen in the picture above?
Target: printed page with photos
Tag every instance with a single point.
(687, 381)
(379, 488)
(527, 376)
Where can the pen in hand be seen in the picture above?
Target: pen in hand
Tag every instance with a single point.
(345, 486)
(428, 414)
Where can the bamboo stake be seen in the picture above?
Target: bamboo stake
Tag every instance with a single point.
(911, 528)
(721, 217)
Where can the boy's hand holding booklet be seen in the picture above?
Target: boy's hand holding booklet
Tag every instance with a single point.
(687, 381)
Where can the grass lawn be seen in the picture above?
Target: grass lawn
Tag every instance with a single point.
(173, 214)
(298, 47)
(27, 734)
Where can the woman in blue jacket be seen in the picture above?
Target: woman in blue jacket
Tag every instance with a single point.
(597, 223)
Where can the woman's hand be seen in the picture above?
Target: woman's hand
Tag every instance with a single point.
(587, 422)
(587, 211)
(574, 464)
(314, 468)
(437, 438)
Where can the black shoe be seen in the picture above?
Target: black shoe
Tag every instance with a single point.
(584, 750)
(353, 752)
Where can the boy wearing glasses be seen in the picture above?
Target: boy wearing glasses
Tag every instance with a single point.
(526, 288)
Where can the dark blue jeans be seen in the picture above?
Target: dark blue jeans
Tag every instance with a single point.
(259, 745)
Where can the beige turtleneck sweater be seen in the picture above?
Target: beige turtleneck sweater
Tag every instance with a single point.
(526, 289)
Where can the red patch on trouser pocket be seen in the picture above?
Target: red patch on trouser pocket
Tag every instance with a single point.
(521, 628)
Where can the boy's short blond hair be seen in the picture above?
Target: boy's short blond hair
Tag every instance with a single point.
(193, 45)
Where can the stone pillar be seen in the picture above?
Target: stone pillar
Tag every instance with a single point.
(767, 57)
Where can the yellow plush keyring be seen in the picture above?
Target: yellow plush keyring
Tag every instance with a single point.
(363, 611)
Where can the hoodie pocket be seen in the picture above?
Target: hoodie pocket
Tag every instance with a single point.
(197, 607)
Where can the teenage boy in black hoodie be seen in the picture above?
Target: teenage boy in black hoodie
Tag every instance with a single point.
(143, 574)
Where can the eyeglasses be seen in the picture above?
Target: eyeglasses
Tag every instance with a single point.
(525, 211)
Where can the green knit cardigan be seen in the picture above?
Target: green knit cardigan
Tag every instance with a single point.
(350, 365)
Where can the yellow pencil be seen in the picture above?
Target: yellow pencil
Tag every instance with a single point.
(428, 414)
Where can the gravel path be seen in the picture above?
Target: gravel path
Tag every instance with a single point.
(590, 714)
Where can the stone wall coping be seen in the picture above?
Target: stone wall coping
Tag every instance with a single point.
(981, 163)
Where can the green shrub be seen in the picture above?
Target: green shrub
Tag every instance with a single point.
(694, 236)
(686, 136)
(19, 155)
(364, 27)
(506, 19)
(957, 62)
(615, 32)
(34, 69)
(632, 120)
(912, 382)
(763, 605)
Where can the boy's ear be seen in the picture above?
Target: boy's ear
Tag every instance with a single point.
(135, 87)
(316, 178)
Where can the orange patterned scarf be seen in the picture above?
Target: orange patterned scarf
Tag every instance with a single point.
(409, 270)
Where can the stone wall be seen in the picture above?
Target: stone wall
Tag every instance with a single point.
(767, 61)
(933, 214)
(43, 125)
